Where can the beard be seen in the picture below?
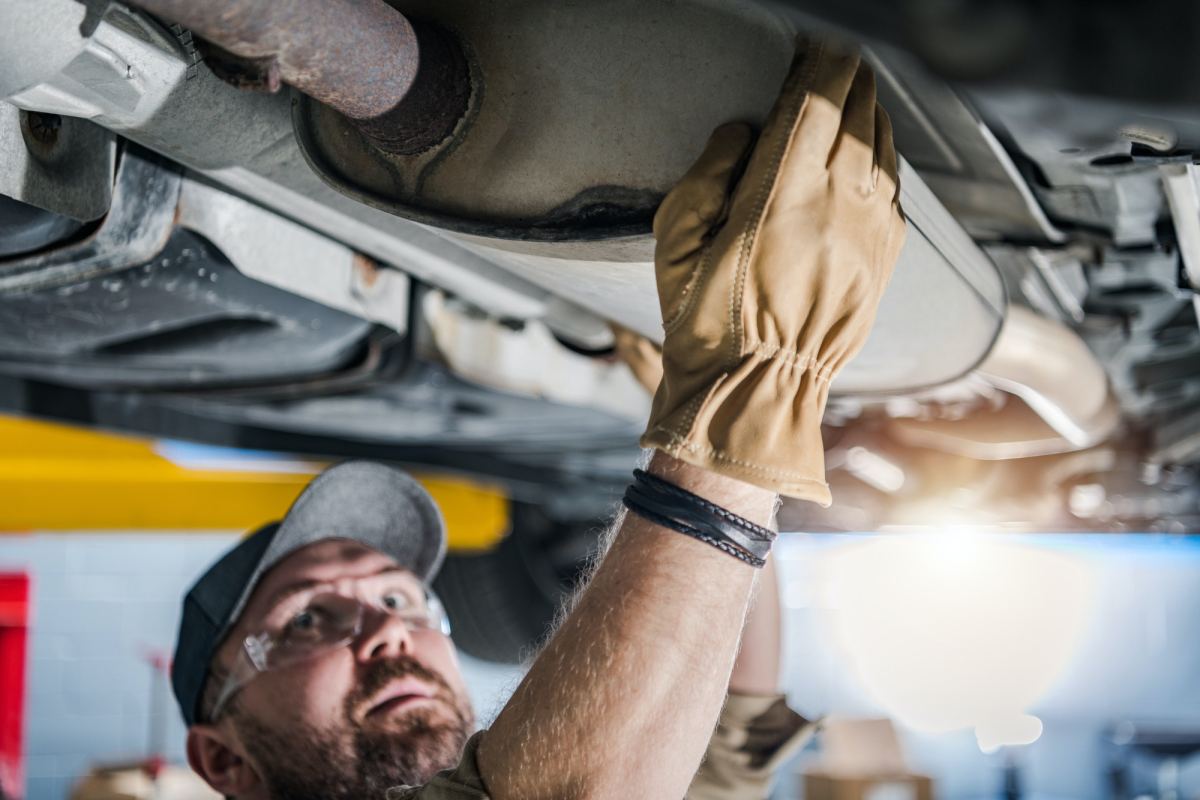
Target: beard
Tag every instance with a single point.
(346, 762)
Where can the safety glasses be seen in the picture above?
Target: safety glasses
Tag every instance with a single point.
(317, 622)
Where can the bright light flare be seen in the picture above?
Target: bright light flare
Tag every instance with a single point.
(1017, 729)
(958, 629)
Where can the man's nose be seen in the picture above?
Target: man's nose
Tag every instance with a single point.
(383, 635)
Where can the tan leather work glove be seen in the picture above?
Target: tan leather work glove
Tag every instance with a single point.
(769, 278)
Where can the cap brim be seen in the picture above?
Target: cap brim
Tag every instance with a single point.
(364, 501)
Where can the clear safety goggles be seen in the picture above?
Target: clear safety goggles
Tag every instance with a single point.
(325, 620)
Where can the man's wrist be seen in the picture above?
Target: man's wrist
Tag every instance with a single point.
(746, 500)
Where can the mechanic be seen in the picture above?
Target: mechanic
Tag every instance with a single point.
(312, 658)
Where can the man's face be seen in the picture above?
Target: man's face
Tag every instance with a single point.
(389, 709)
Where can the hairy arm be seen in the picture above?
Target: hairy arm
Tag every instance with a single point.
(624, 698)
(771, 256)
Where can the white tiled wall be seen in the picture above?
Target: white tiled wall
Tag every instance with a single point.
(101, 604)
(102, 601)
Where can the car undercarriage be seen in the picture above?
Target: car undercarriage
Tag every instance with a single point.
(216, 223)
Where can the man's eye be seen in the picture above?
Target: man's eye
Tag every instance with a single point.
(395, 601)
(304, 623)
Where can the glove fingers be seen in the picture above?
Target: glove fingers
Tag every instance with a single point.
(853, 156)
(803, 127)
(788, 172)
(698, 202)
(845, 338)
(885, 150)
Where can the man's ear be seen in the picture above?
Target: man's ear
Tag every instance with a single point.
(211, 754)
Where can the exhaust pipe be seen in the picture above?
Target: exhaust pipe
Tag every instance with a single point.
(405, 85)
(1065, 403)
(1048, 366)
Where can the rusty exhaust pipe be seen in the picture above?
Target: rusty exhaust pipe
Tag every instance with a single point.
(405, 85)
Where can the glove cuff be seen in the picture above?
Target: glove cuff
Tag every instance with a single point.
(760, 423)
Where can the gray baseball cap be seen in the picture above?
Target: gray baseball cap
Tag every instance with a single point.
(378, 505)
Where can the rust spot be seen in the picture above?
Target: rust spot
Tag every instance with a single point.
(250, 74)
(437, 100)
(366, 271)
(358, 56)
(405, 86)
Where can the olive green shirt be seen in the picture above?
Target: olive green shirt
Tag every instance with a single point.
(754, 735)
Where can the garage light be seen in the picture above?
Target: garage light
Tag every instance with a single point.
(957, 629)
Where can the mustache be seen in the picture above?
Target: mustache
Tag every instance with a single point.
(380, 673)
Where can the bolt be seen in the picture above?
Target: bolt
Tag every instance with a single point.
(44, 127)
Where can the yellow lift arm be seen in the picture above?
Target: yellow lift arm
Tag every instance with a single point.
(58, 477)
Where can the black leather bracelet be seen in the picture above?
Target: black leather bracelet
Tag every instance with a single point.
(666, 522)
(725, 518)
(669, 505)
(701, 519)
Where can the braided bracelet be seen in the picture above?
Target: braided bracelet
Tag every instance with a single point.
(726, 518)
(671, 506)
(666, 522)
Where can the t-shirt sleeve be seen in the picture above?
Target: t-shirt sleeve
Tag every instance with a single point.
(754, 736)
(460, 783)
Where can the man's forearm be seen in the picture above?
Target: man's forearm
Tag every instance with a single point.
(622, 701)
(771, 254)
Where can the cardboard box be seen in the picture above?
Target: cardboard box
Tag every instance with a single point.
(861, 759)
(823, 786)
